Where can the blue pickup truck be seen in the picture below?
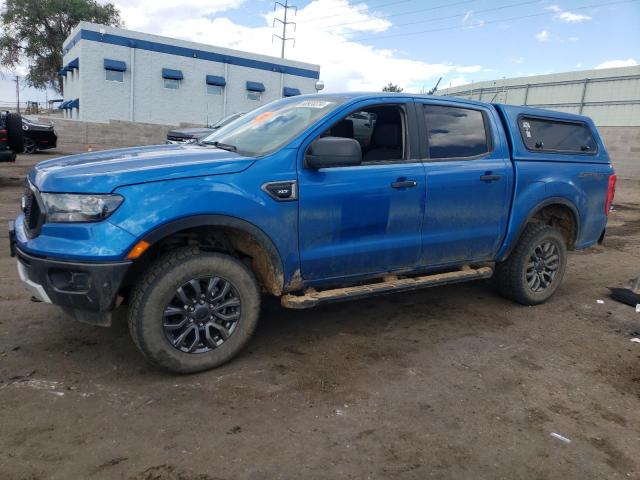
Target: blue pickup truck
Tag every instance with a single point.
(312, 199)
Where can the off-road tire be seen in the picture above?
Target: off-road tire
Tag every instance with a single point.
(14, 130)
(158, 285)
(510, 275)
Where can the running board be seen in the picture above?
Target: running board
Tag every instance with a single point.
(312, 298)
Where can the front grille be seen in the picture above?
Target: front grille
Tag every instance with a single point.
(33, 216)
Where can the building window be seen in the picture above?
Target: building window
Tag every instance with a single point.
(254, 95)
(114, 76)
(172, 83)
(214, 89)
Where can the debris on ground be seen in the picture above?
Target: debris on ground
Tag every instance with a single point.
(560, 437)
(601, 302)
(630, 295)
(635, 340)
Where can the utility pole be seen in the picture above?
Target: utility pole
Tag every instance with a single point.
(17, 94)
(285, 6)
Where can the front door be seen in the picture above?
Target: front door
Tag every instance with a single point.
(365, 219)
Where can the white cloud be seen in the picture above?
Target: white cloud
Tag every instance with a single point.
(320, 38)
(543, 36)
(567, 16)
(469, 69)
(148, 15)
(629, 62)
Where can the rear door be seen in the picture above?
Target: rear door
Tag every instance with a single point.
(365, 219)
(468, 182)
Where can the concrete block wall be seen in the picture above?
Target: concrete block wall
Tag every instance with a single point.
(76, 136)
(623, 145)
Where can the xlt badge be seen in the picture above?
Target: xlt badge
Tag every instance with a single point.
(282, 191)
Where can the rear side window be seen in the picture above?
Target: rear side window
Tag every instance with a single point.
(542, 135)
(455, 132)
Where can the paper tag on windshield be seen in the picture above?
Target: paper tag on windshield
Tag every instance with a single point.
(313, 104)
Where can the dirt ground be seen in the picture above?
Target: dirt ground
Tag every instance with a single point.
(451, 383)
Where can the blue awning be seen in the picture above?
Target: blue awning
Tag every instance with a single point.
(172, 74)
(215, 80)
(73, 64)
(74, 103)
(62, 72)
(290, 91)
(255, 87)
(64, 105)
(116, 65)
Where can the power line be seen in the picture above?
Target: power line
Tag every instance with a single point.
(421, 10)
(314, 19)
(429, 20)
(521, 17)
(285, 6)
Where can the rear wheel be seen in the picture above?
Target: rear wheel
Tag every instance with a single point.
(14, 131)
(194, 310)
(535, 268)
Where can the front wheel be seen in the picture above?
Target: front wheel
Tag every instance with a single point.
(29, 146)
(194, 310)
(534, 270)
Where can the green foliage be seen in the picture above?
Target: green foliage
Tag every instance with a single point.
(32, 32)
(390, 87)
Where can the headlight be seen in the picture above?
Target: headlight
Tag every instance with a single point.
(69, 207)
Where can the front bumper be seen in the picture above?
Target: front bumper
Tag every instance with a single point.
(86, 290)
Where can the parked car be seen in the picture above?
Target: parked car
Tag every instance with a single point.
(283, 202)
(11, 141)
(192, 135)
(38, 135)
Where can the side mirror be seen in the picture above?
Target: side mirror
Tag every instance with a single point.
(333, 152)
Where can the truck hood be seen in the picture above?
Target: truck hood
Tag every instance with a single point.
(102, 172)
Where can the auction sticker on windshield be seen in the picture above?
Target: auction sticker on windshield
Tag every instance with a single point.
(313, 104)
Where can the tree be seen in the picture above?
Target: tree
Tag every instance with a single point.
(390, 87)
(32, 32)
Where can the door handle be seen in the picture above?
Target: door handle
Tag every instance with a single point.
(404, 184)
(490, 178)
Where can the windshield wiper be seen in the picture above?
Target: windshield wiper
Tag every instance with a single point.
(220, 145)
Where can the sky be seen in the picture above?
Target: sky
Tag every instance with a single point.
(363, 45)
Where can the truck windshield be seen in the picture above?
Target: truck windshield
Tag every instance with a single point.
(268, 128)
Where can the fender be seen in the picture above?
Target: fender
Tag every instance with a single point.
(545, 203)
(276, 283)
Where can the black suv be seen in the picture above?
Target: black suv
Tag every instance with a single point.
(11, 139)
(38, 135)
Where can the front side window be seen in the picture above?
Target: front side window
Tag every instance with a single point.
(544, 135)
(114, 76)
(214, 89)
(455, 132)
(171, 83)
(380, 131)
(266, 129)
(254, 96)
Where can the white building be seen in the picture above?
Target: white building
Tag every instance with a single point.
(115, 74)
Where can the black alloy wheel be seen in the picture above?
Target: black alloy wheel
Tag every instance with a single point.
(542, 266)
(202, 315)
